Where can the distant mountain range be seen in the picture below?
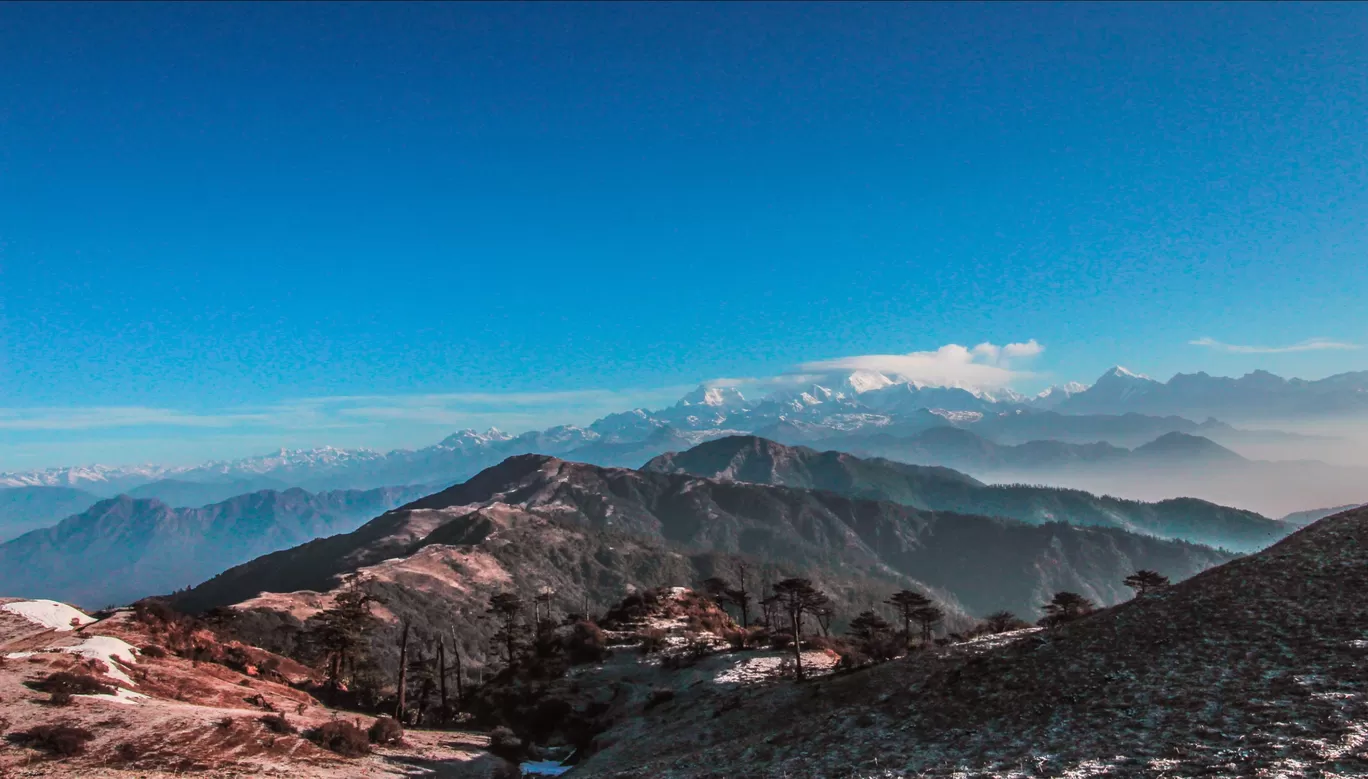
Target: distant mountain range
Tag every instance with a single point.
(124, 548)
(28, 508)
(1174, 464)
(1121, 408)
(751, 459)
(1257, 395)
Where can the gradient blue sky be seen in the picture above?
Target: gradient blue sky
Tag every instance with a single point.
(213, 215)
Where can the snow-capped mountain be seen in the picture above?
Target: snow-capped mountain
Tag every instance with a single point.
(1256, 395)
(842, 408)
(724, 398)
(96, 478)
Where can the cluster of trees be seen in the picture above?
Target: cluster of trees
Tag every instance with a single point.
(530, 641)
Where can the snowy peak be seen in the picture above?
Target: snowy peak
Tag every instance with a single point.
(713, 397)
(464, 439)
(863, 381)
(1119, 372)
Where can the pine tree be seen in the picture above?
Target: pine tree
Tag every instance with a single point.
(507, 607)
(928, 617)
(795, 598)
(868, 626)
(1066, 607)
(1146, 581)
(907, 602)
(339, 634)
(1003, 621)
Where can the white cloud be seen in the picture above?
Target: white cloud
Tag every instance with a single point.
(952, 365)
(1309, 345)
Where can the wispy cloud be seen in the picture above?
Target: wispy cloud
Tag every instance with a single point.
(985, 365)
(511, 409)
(1309, 345)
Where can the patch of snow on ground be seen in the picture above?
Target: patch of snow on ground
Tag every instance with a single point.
(543, 768)
(753, 670)
(108, 649)
(121, 696)
(48, 613)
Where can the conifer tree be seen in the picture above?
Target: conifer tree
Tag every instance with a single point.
(907, 602)
(1146, 581)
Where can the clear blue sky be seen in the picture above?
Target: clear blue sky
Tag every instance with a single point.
(210, 213)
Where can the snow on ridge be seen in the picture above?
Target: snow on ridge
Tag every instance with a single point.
(107, 649)
(48, 613)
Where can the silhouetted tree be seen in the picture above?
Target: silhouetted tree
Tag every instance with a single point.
(769, 610)
(716, 588)
(823, 612)
(740, 595)
(507, 607)
(339, 634)
(1066, 607)
(422, 682)
(1146, 581)
(928, 617)
(907, 602)
(1003, 622)
(868, 625)
(796, 597)
(874, 635)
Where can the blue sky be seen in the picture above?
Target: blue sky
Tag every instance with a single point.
(212, 216)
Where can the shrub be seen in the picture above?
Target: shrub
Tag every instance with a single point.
(276, 723)
(586, 643)
(386, 730)
(61, 739)
(152, 650)
(72, 684)
(342, 737)
(659, 696)
(128, 752)
(652, 640)
(505, 743)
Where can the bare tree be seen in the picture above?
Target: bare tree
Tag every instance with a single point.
(740, 595)
(403, 675)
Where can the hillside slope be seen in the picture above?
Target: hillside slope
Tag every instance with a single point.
(1254, 668)
(747, 458)
(978, 564)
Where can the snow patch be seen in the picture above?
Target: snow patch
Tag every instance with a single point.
(48, 613)
(543, 768)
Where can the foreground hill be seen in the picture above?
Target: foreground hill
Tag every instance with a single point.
(747, 458)
(123, 548)
(29, 508)
(168, 698)
(542, 521)
(1251, 669)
